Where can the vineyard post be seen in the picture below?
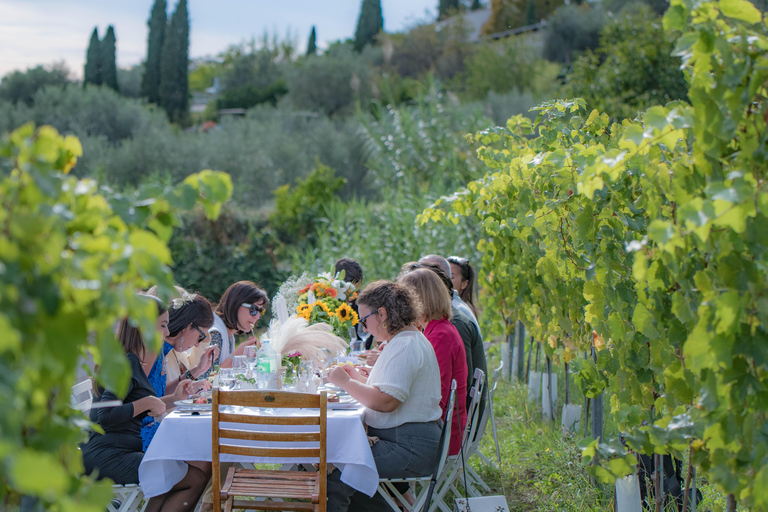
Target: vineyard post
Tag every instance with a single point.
(658, 481)
(519, 350)
(586, 410)
(548, 390)
(597, 413)
(507, 354)
(528, 366)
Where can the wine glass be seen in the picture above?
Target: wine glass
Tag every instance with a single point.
(250, 356)
(227, 379)
(241, 369)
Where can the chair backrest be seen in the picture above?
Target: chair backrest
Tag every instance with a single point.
(482, 424)
(473, 413)
(82, 396)
(489, 406)
(447, 437)
(254, 440)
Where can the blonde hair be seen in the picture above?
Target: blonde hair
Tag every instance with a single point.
(435, 303)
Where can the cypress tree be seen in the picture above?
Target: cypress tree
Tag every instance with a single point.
(530, 13)
(476, 5)
(174, 65)
(108, 59)
(150, 80)
(92, 73)
(312, 44)
(446, 8)
(369, 24)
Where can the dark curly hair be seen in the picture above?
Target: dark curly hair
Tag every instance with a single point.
(401, 303)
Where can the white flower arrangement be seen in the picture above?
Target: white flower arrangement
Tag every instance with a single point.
(185, 298)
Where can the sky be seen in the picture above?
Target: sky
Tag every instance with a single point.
(36, 32)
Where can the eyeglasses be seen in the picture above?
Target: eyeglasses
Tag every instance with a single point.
(253, 309)
(363, 321)
(458, 261)
(202, 334)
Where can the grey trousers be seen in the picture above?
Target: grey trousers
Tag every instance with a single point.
(406, 451)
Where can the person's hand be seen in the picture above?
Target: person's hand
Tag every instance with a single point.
(365, 372)
(155, 406)
(182, 389)
(206, 360)
(192, 387)
(338, 376)
(373, 356)
(253, 340)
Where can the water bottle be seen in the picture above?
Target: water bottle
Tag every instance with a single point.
(266, 367)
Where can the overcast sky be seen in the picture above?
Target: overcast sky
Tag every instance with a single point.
(36, 32)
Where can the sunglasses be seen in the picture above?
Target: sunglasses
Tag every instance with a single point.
(365, 318)
(458, 261)
(202, 334)
(253, 309)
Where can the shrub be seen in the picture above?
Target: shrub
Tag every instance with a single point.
(298, 209)
(632, 69)
(21, 86)
(509, 64)
(571, 30)
(208, 256)
(331, 83)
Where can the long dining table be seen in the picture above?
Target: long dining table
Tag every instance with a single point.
(183, 436)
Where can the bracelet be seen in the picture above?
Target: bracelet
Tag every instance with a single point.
(188, 375)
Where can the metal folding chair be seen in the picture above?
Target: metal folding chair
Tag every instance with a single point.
(447, 480)
(387, 487)
(128, 498)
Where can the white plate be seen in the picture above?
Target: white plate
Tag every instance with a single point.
(190, 405)
(345, 402)
(331, 389)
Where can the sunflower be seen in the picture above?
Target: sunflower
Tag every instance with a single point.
(305, 310)
(323, 306)
(344, 313)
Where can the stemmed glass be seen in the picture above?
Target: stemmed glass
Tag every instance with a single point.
(241, 368)
(227, 377)
(250, 356)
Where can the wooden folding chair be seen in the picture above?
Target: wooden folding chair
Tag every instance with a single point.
(247, 434)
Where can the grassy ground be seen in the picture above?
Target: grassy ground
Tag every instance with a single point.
(541, 469)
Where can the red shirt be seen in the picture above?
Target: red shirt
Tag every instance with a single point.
(452, 360)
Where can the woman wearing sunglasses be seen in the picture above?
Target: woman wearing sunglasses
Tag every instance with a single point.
(239, 309)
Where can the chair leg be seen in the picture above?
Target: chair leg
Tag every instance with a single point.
(475, 479)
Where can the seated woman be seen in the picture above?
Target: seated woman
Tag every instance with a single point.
(238, 311)
(463, 278)
(190, 317)
(449, 348)
(117, 453)
(401, 395)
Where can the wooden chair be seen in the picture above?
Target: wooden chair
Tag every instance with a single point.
(244, 434)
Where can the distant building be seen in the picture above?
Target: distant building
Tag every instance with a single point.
(472, 20)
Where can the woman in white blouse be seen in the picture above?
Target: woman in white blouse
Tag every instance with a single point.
(401, 395)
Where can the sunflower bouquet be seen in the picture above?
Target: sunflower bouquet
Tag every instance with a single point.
(325, 301)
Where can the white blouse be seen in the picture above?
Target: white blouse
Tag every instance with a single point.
(407, 370)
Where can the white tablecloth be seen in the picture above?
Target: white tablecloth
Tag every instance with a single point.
(183, 437)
